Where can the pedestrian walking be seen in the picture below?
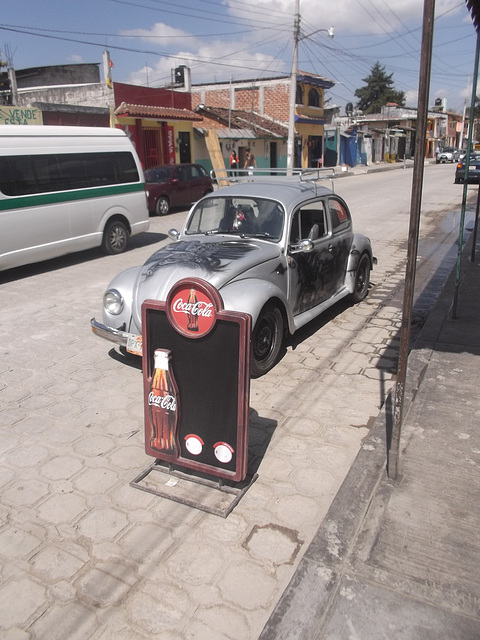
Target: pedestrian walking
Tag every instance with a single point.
(250, 162)
(233, 163)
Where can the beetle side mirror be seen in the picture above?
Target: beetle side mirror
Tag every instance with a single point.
(304, 246)
(173, 234)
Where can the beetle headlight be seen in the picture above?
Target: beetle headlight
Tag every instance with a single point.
(113, 302)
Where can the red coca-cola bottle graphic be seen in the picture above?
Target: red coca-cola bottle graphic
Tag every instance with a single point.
(163, 404)
(192, 302)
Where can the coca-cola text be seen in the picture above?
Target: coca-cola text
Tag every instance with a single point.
(198, 308)
(164, 402)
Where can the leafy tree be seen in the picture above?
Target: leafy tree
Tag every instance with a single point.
(378, 91)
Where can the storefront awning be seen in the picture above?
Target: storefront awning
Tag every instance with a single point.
(308, 120)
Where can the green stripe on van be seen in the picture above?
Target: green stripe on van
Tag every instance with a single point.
(39, 199)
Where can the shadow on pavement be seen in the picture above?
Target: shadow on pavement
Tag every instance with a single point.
(79, 257)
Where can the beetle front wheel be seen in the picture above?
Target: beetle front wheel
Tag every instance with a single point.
(267, 339)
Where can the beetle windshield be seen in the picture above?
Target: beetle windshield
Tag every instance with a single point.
(252, 217)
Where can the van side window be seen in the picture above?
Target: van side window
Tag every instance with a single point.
(43, 173)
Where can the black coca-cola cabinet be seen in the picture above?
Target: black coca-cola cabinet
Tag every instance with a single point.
(197, 418)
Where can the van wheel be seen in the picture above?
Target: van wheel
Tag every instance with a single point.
(162, 207)
(115, 237)
(267, 339)
(362, 279)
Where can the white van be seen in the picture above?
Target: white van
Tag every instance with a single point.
(65, 189)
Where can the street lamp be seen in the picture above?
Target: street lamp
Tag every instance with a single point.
(293, 83)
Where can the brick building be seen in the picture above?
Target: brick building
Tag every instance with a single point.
(270, 98)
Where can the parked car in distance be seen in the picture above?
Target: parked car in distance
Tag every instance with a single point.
(448, 154)
(473, 169)
(280, 249)
(175, 185)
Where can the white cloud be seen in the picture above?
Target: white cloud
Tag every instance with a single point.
(411, 98)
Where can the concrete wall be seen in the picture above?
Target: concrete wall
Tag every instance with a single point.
(58, 75)
(93, 95)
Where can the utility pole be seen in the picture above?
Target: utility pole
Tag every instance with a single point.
(460, 142)
(293, 85)
(293, 91)
(11, 76)
(465, 182)
(415, 214)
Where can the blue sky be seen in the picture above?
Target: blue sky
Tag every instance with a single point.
(236, 39)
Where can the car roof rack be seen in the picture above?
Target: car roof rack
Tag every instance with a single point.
(226, 177)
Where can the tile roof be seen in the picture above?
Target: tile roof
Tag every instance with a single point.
(312, 78)
(222, 118)
(163, 113)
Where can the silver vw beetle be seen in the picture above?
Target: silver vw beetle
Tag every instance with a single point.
(281, 249)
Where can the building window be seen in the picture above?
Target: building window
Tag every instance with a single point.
(313, 98)
(299, 95)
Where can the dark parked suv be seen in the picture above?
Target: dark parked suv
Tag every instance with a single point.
(175, 185)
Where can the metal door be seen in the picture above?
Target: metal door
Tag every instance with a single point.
(184, 147)
(151, 147)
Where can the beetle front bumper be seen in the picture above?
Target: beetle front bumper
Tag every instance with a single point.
(109, 333)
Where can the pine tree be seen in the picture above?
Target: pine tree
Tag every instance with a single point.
(378, 91)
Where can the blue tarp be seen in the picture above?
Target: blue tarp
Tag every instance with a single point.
(348, 148)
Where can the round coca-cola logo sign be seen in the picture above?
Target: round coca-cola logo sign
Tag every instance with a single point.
(192, 307)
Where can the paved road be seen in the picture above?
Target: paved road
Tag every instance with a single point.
(86, 556)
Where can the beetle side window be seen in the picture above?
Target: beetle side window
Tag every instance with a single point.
(339, 216)
(309, 222)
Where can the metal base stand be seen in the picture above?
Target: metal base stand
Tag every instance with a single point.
(193, 491)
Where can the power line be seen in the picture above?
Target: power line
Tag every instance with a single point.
(197, 17)
(204, 60)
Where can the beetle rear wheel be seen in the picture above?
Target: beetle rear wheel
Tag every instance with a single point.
(267, 339)
(362, 279)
